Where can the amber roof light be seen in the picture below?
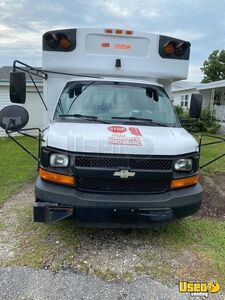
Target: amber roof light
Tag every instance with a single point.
(169, 48)
(64, 41)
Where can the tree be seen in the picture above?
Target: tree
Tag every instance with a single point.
(214, 67)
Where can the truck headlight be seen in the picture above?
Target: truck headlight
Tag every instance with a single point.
(59, 160)
(183, 164)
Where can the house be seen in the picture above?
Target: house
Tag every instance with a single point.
(182, 91)
(213, 95)
(33, 103)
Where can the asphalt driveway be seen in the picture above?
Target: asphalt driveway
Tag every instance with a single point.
(26, 283)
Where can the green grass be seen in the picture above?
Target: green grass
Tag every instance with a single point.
(16, 166)
(210, 152)
(188, 249)
(202, 235)
(2, 226)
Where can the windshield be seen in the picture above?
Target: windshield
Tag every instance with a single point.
(115, 102)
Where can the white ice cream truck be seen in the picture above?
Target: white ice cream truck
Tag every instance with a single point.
(112, 152)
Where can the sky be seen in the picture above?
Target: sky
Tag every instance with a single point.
(23, 22)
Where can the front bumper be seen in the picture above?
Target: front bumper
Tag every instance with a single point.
(146, 208)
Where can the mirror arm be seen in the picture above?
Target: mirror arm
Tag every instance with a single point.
(32, 71)
(31, 136)
(21, 146)
(42, 100)
(220, 140)
(44, 73)
(29, 69)
(39, 138)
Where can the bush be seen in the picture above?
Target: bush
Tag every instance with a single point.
(207, 123)
(179, 110)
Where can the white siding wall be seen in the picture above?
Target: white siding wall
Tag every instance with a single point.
(177, 95)
(206, 97)
(33, 105)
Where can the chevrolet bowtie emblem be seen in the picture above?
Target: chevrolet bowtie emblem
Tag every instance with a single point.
(124, 174)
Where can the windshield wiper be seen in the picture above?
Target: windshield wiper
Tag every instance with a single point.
(149, 121)
(86, 117)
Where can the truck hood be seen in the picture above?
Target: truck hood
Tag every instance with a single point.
(119, 139)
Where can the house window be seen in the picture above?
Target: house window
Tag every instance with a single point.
(184, 100)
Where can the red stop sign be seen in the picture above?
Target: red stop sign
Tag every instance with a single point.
(117, 129)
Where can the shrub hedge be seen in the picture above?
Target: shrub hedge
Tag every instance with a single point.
(207, 123)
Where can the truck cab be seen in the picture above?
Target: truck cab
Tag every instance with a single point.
(114, 152)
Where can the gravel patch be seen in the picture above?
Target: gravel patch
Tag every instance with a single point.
(26, 283)
(213, 205)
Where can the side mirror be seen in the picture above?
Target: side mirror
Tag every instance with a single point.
(195, 106)
(13, 118)
(17, 87)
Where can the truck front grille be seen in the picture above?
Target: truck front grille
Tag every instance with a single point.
(123, 185)
(123, 162)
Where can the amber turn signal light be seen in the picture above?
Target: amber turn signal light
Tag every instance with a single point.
(184, 182)
(64, 41)
(169, 48)
(58, 40)
(56, 177)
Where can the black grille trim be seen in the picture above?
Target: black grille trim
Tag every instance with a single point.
(123, 162)
(123, 185)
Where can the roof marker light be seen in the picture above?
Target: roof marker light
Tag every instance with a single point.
(118, 31)
(108, 31)
(129, 32)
